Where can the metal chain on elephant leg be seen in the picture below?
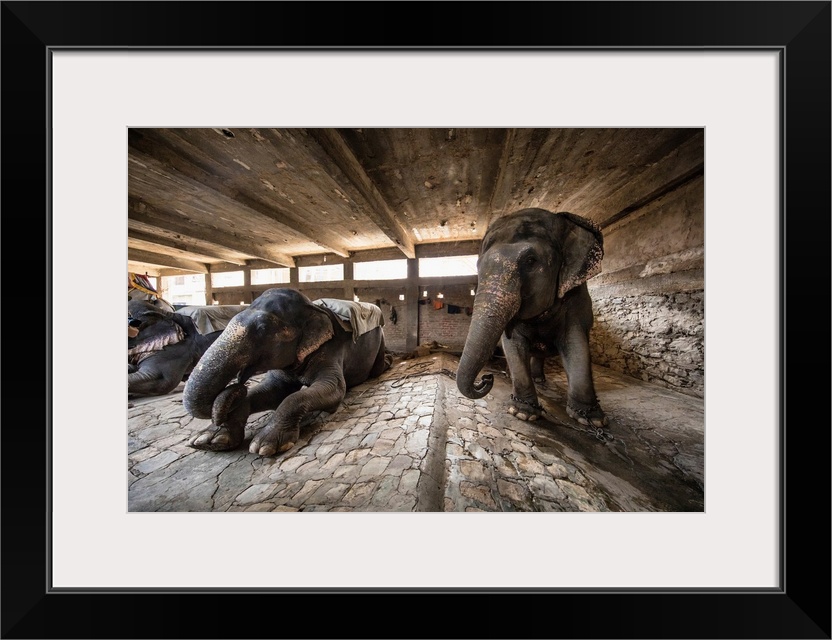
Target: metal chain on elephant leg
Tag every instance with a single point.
(598, 432)
(536, 407)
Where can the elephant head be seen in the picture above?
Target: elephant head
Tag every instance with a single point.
(280, 330)
(529, 263)
(156, 327)
(146, 312)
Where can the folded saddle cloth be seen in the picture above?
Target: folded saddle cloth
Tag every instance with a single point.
(358, 317)
(211, 318)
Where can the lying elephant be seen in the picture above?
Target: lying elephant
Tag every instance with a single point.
(310, 358)
(533, 267)
(165, 350)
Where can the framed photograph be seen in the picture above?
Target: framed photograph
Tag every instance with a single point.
(753, 76)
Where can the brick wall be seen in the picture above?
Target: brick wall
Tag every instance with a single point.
(388, 299)
(446, 328)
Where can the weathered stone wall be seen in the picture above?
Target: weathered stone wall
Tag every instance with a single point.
(659, 338)
(649, 300)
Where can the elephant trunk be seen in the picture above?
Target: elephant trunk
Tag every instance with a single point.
(220, 363)
(496, 303)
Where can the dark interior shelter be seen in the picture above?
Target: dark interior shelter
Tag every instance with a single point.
(396, 217)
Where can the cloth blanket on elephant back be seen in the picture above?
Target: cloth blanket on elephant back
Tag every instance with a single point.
(209, 318)
(357, 317)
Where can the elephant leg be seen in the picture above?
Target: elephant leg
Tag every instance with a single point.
(536, 364)
(229, 434)
(154, 378)
(582, 403)
(524, 403)
(382, 363)
(283, 429)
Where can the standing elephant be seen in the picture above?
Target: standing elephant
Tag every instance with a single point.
(165, 350)
(310, 358)
(533, 267)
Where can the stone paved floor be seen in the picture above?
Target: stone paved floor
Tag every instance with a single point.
(408, 441)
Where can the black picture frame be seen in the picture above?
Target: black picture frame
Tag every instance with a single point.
(800, 608)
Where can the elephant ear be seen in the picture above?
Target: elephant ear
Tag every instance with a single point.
(582, 247)
(145, 312)
(316, 330)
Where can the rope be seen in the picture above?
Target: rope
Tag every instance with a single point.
(422, 370)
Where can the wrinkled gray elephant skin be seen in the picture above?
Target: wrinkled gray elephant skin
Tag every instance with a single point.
(309, 360)
(164, 352)
(533, 267)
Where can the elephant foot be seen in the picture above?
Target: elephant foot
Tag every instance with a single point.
(589, 415)
(525, 410)
(272, 441)
(218, 438)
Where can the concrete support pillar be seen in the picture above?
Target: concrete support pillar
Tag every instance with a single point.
(247, 295)
(209, 289)
(411, 306)
(349, 289)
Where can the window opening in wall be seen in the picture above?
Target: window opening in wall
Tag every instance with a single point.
(227, 279)
(380, 270)
(321, 273)
(270, 276)
(450, 266)
(183, 290)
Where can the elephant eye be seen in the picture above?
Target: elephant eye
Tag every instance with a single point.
(529, 260)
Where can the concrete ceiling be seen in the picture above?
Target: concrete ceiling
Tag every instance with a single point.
(206, 199)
